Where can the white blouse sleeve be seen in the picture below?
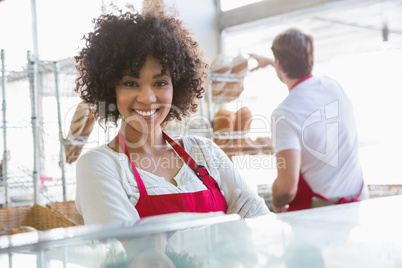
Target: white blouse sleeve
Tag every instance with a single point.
(229, 179)
(100, 196)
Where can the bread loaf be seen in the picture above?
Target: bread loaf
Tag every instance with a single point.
(223, 121)
(22, 229)
(232, 90)
(240, 66)
(222, 124)
(243, 119)
(219, 67)
(81, 126)
(242, 124)
(231, 130)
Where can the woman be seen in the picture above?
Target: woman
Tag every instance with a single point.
(147, 70)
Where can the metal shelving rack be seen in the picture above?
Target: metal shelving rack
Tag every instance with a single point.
(17, 175)
(237, 148)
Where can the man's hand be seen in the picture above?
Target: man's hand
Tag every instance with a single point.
(280, 209)
(261, 62)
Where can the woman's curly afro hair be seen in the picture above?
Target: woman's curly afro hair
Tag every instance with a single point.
(122, 42)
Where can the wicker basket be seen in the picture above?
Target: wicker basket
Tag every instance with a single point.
(67, 209)
(38, 217)
(380, 190)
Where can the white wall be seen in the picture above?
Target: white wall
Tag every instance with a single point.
(60, 31)
(200, 17)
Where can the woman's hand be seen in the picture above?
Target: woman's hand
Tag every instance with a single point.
(242, 203)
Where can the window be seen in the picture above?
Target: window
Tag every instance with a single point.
(349, 51)
(232, 4)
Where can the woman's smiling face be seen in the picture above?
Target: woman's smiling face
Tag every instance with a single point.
(145, 101)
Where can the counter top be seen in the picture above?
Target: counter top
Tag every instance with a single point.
(363, 234)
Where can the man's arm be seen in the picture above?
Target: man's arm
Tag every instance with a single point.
(262, 62)
(284, 187)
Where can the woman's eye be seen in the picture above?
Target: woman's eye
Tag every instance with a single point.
(161, 84)
(129, 84)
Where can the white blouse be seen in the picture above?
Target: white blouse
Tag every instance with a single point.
(106, 189)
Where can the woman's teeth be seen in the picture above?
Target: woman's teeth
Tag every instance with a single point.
(145, 113)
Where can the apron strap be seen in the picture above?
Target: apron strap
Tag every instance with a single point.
(182, 153)
(342, 200)
(305, 194)
(200, 170)
(140, 183)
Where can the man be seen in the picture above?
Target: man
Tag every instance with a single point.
(313, 132)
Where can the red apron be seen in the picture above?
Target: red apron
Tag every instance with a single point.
(304, 196)
(210, 200)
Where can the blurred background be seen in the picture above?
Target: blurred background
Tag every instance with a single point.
(357, 42)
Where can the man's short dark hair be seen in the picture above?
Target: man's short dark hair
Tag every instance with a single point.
(295, 52)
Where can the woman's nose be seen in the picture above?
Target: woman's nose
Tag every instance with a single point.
(146, 96)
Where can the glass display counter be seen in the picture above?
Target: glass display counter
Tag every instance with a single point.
(363, 234)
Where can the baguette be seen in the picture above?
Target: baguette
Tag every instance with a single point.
(81, 126)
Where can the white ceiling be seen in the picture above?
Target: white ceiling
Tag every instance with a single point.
(339, 27)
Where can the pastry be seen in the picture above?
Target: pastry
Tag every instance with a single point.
(223, 121)
(241, 126)
(232, 90)
(219, 68)
(22, 229)
(223, 125)
(243, 119)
